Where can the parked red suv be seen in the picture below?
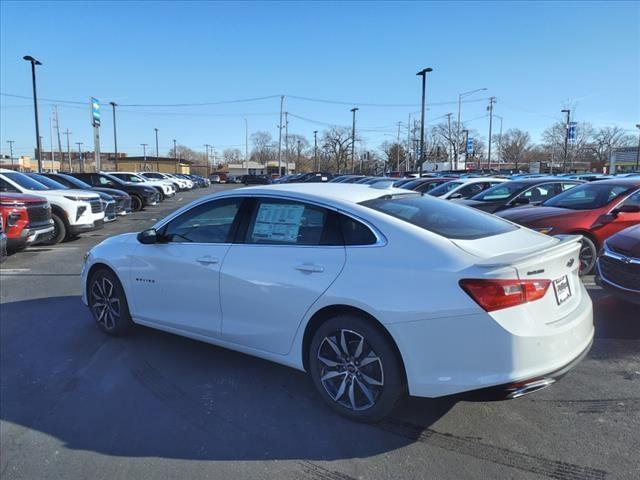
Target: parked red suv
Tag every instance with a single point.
(596, 210)
(26, 219)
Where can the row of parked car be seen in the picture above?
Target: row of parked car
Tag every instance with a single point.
(48, 208)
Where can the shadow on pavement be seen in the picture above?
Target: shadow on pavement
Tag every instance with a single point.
(159, 395)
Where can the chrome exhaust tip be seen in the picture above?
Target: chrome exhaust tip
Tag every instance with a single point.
(530, 387)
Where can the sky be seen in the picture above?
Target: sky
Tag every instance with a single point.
(152, 58)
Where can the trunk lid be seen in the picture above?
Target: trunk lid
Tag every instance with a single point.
(534, 256)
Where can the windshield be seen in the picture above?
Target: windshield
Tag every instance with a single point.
(76, 182)
(587, 197)
(444, 218)
(500, 192)
(24, 181)
(444, 188)
(49, 182)
(129, 177)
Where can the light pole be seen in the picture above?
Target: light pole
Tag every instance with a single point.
(67, 133)
(11, 142)
(80, 159)
(353, 139)
(499, 140)
(35, 62)
(460, 97)
(175, 156)
(115, 134)
(315, 150)
(566, 139)
(466, 142)
(638, 151)
(398, 149)
(157, 151)
(423, 74)
(144, 155)
(492, 100)
(207, 146)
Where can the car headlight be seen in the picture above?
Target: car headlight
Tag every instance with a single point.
(545, 230)
(76, 198)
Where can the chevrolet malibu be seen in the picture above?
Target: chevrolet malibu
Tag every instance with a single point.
(375, 292)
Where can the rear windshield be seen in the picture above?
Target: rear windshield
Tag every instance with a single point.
(441, 217)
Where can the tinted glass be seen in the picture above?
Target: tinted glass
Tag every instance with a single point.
(70, 181)
(500, 192)
(24, 181)
(540, 193)
(206, 223)
(443, 218)
(471, 189)
(633, 199)
(585, 197)
(355, 232)
(49, 182)
(444, 188)
(6, 186)
(286, 222)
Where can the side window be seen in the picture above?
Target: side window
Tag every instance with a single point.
(206, 223)
(288, 222)
(6, 186)
(471, 190)
(540, 193)
(355, 232)
(567, 186)
(633, 199)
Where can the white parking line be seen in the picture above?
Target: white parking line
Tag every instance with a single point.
(9, 271)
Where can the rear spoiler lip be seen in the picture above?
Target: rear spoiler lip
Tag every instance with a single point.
(510, 259)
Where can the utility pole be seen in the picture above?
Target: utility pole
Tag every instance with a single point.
(207, 146)
(460, 97)
(353, 139)
(466, 142)
(638, 151)
(315, 151)
(144, 154)
(80, 159)
(298, 152)
(35, 62)
(408, 162)
(279, 139)
(11, 142)
(492, 100)
(286, 142)
(246, 145)
(157, 151)
(175, 156)
(499, 141)
(51, 141)
(67, 133)
(57, 125)
(115, 134)
(398, 150)
(566, 139)
(423, 74)
(450, 142)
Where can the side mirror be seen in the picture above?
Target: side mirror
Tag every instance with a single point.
(521, 201)
(148, 236)
(626, 209)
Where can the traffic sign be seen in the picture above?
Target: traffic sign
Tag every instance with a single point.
(470, 145)
(95, 112)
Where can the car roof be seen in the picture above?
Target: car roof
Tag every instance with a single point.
(341, 192)
(630, 182)
(478, 179)
(534, 180)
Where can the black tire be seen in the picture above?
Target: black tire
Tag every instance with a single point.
(137, 203)
(161, 194)
(588, 255)
(105, 289)
(343, 390)
(59, 230)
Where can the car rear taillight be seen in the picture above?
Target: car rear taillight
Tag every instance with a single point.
(498, 294)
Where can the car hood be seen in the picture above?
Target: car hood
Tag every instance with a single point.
(626, 242)
(18, 198)
(110, 191)
(71, 192)
(529, 214)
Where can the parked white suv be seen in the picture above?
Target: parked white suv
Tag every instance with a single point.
(73, 211)
(181, 182)
(164, 187)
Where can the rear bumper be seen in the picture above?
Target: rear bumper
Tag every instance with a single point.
(450, 355)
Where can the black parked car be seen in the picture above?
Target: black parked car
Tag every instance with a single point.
(527, 191)
(141, 196)
(618, 265)
(255, 180)
(122, 199)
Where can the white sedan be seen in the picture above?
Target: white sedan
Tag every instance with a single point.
(462, 188)
(374, 292)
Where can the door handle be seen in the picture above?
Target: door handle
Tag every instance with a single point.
(207, 260)
(310, 268)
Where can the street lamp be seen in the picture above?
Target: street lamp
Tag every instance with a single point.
(638, 151)
(460, 97)
(353, 139)
(115, 134)
(35, 62)
(423, 74)
(157, 151)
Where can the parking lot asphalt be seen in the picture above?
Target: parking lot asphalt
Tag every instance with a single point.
(75, 403)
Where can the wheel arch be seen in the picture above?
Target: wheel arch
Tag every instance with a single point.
(60, 212)
(97, 266)
(325, 313)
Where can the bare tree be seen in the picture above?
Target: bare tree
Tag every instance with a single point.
(262, 150)
(514, 145)
(606, 139)
(183, 152)
(232, 155)
(392, 152)
(337, 143)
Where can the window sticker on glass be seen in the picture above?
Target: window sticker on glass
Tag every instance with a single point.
(277, 222)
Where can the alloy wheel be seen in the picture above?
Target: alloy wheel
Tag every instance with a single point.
(105, 303)
(351, 372)
(586, 258)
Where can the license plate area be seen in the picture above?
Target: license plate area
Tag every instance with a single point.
(562, 289)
